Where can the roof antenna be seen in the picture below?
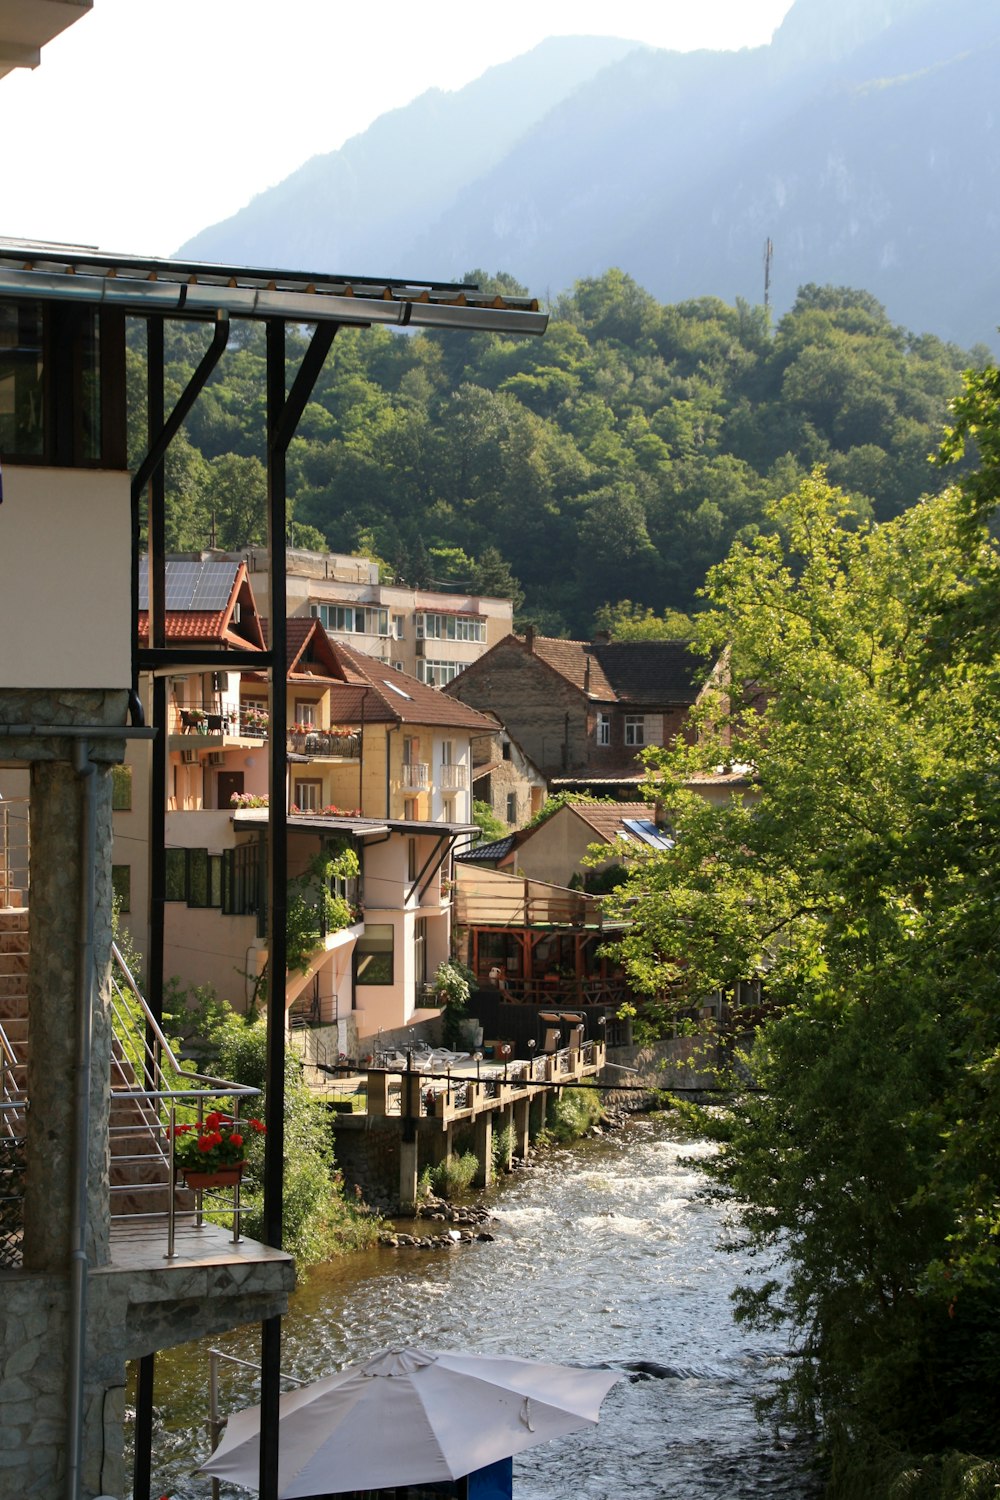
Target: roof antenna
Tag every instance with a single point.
(768, 258)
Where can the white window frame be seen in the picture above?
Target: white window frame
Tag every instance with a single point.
(635, 730)
(603, 730)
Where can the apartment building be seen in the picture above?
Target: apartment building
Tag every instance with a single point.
(430, 635)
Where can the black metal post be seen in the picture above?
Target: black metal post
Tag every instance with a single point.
(282, 418)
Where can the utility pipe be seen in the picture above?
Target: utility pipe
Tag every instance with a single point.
(78, 1264)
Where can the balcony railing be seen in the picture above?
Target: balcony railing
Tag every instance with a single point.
(416, 776)
(454, 778)
(330, 744)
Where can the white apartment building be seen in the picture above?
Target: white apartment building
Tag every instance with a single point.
(428, 634)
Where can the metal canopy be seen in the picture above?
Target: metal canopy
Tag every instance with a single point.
(197, 289)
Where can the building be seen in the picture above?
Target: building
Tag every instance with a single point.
(557, 850)
(431, 635)
(76, 1302)
(584, 711)
(510, 784)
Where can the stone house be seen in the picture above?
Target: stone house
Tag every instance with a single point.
(584, 711)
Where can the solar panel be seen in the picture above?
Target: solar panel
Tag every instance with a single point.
(646, 830)
(192, 584)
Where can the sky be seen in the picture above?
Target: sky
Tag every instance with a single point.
(150, 119)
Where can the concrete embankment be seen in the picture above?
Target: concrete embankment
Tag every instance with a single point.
(687, 1064)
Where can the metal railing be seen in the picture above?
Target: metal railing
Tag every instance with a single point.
(328, 743)
(14, 852)
(416, 776)
(150, 1096)
(453, 778)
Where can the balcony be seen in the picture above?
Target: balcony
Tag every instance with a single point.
(416, 776)
(454, 778)
(327, 744)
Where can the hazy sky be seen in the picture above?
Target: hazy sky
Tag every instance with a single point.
(147, 121)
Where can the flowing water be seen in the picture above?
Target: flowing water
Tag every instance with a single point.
(604, 1254)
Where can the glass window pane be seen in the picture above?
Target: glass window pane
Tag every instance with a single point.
(21, 418)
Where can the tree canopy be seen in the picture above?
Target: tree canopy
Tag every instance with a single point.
(860, 889)
(618, 457)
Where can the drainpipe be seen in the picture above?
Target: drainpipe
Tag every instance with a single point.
(78, 1266)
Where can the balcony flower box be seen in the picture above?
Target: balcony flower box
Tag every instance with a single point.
(212, 1154)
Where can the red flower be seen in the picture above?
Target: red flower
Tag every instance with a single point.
(258, 1126)
(205, 1143)
(214, 1120)
(236, 1139)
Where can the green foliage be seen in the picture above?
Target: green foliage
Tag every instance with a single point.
(489, 825)
(861, 888)
(452, 1178)
(634, 443)
(573, 1113)
(502, 1146)
(453, 984)
(313, 909)
(626, 621)
(319, 1221)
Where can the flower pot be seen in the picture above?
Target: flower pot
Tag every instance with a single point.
(220, 1177)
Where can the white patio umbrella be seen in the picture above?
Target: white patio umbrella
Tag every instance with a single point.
(411, 1416)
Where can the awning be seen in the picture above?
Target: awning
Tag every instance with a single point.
(197, 289)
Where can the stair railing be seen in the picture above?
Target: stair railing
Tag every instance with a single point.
(150, 1094)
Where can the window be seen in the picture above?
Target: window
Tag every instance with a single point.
(351, 619)
(398, 627)
(121, 887)
(243, 890)
(411, 751)
(438, 673)
(399, 666)
(446, 752)
(635, 729)
(373, 954)
(511, 807)
(307, 796)
(121, 788)
(432, 627)
(505, 750)
(448, 809)
(604, 730)
(305, 712)
(62, 371)
(194, 876)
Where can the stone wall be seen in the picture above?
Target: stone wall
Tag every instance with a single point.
(675, 1062)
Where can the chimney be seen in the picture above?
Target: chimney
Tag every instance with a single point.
(529, 637)
(602, 637)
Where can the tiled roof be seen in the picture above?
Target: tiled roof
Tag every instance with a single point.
(606, 818)
(489, 853)
(645, 673)
(569, 658)
(651, 672)
(196, 625)
(300, 630)
(401, 699)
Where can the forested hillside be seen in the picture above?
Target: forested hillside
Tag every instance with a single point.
(616, 458)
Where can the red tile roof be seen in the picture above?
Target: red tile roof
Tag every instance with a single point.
(397, 698)
(197, 625)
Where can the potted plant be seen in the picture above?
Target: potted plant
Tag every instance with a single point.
(212, 1154)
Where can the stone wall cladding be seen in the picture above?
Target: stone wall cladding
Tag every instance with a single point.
(532, 701)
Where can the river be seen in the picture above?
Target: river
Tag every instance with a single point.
(604, 1253)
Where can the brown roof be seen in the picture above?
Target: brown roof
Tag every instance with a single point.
(396, 697)
(302, 631)
(606, 818)
(644, 673)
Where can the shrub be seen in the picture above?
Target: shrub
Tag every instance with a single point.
(573, 1114)
(451, 1178)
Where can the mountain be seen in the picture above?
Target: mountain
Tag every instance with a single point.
(863, 141)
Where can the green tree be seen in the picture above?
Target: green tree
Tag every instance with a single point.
(860, 889)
